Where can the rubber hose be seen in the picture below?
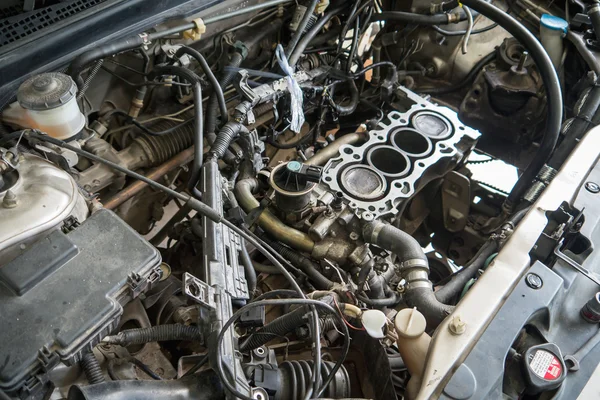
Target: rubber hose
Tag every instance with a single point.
(305, 264)
(416, 19)
(301, 28)
(118, 46)
(390, 301)
(354, 100)
(593, 13)
(314, 31)
(204, 386)
(404, 246)
(91, 367)
(453, 288)
(209, 75)
(415, 268)
(250, 273)
(157, 333)
(213, 101)
(278, 327)
(549, 77)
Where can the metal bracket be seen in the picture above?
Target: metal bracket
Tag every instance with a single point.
(199, 291)
(572, 263)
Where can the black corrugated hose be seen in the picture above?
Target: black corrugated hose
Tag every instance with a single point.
(157, 333)
(278, 327)
(91, 368)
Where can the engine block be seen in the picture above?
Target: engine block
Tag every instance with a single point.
(404, 152)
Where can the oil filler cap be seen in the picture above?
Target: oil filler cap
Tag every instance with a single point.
(544, 368)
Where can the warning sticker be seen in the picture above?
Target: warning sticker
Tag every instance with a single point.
(546, 365)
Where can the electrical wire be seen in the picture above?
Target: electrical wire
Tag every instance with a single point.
(465, 43)
(315, 303)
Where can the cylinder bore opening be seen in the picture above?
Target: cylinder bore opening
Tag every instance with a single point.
(411, 142)
(388, 160)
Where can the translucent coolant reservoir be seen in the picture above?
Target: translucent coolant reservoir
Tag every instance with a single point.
(47, 102)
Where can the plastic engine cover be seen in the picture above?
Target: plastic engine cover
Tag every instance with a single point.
(66, 293)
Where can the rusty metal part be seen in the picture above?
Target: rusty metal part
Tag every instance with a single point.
(269, 222)
(180, 159)
(330, 151)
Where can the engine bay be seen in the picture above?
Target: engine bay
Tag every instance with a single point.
(304, 199)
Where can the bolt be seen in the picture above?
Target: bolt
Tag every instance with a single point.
(522, 61)
(534, 281)
(353, 236)
(367, 216)
(10, 200)
(457, 326)
(592, 187)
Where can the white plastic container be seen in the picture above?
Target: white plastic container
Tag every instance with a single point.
(47, 102)
(552, 32)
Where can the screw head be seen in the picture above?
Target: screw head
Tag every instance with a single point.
(457, 326)
(592, 187)
(367, 216)
(534, 281)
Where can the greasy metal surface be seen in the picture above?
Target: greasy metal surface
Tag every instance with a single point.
(402, 185)
(482, 302)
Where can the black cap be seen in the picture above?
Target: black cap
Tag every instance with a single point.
(46, 91)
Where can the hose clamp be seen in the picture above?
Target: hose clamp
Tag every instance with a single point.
(415, 263)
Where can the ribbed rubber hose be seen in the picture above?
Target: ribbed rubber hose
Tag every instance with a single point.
(91, 368)
(278, 327)
(213, 101)
(159, 333)
(301, 28)
(554, 99)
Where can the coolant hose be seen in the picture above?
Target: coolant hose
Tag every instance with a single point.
(415, 269)
(204, 386)
(157, 333)
(547, 71)
(333, 148)
(278, 327)
(266, 220)
(458, 281)
(303, 263)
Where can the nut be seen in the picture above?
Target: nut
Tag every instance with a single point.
(457, 326)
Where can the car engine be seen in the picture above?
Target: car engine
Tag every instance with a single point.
(311, 199)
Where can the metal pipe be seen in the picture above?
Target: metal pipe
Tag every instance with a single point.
(334, 147)
(180, 159)
(269, 222)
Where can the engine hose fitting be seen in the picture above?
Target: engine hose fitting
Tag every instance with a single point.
(91, 368)
(157, 333)
(414, 268)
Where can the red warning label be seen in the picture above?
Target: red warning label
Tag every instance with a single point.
(546, 365)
